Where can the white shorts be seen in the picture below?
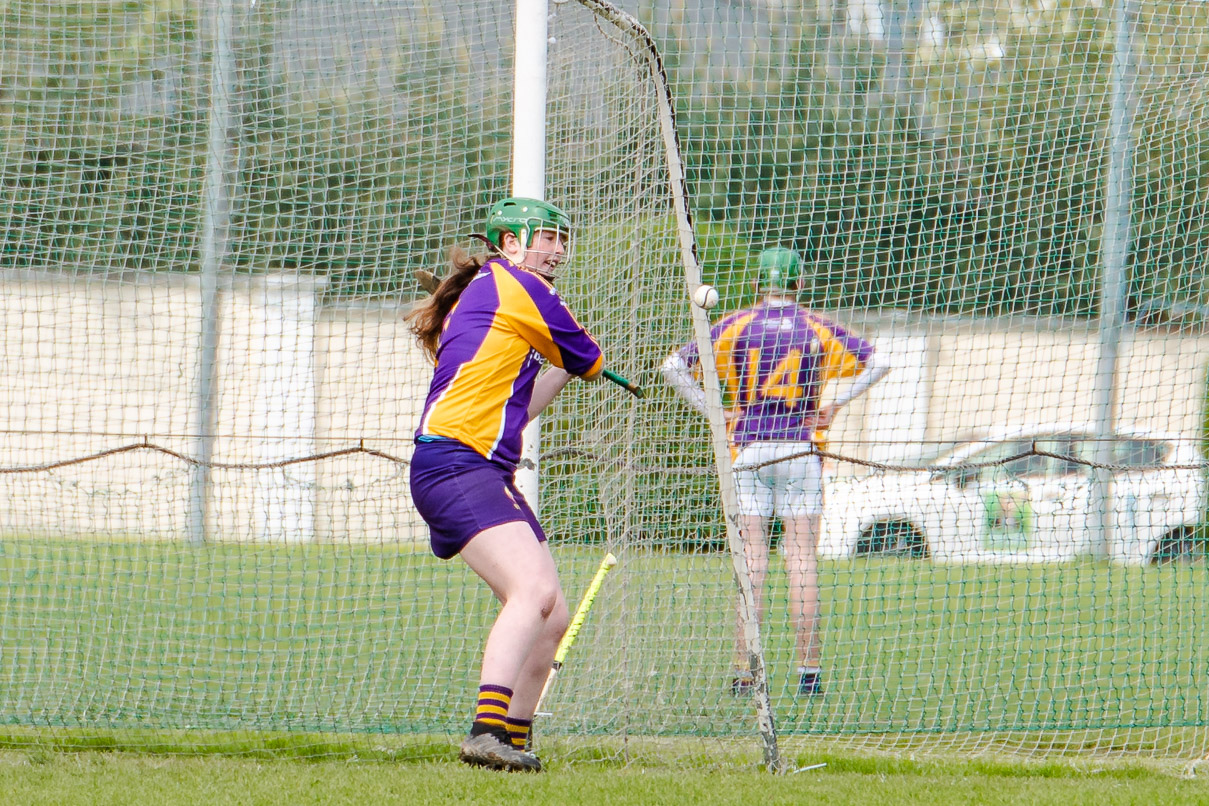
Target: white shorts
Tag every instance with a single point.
(790, 488)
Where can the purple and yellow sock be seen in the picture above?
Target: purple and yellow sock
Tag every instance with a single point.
(518, 731)
(491, 710)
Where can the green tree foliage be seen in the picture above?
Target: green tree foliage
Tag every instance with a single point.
(1170, 279)
(956, 166)
(962, 173)
(349, 175)
(353, 178)
(90, 177)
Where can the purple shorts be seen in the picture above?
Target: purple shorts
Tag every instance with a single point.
(459, 493)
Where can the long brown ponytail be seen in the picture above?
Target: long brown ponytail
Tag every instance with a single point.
(428, 318)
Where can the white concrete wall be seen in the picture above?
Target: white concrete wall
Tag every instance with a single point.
(91, 365)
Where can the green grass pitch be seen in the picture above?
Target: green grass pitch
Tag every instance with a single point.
(143, 639)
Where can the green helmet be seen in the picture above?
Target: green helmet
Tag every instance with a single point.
(523, 217)
(780, 269)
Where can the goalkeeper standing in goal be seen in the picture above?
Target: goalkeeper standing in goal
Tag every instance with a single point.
(488, 327)
(773, 360)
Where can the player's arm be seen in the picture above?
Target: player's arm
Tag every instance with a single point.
(678, 373)
(873, 370)
(546, 388)
(680, 369)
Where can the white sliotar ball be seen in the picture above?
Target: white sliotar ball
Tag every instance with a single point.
(706, 296)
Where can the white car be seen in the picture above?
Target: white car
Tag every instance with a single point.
(1024, 496)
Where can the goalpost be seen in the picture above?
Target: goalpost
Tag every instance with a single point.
(212, 215)
(529, 171)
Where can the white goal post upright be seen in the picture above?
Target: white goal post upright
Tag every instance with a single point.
(215, 217)
(529, 172)
(1114, 282)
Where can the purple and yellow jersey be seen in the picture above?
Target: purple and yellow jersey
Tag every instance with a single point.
(490, 350)
(773, 361)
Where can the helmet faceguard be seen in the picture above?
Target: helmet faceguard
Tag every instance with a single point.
(780, 270)
(524, 218)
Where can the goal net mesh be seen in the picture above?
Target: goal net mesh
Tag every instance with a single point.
(211, 219)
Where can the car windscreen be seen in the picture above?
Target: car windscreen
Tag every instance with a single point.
(1051, 456)
(935, 453)
(1127, 452)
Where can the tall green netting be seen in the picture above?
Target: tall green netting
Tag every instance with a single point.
(211, 216)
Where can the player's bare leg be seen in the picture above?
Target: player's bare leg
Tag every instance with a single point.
(755, 548)
(533, 673)
(521, 573)
(802, 567)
